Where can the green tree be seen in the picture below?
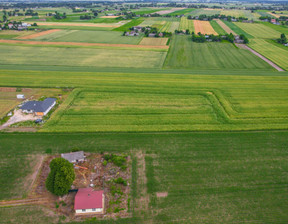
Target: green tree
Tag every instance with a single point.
(60, 177)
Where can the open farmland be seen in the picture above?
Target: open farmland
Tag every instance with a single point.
(186, 24)
(236, 29)
(259, 30)
(207, 12)
(109, 37)
(225, 27)
(203, 27)
(76, 56)
(186, 54)
(276, 54)
(217, 27)
(113, 25)
(205, 175)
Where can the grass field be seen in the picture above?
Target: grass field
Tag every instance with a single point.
(181, 12)
(110, 37)
(125, 27)
(279, 28)
(89, 57)
(186, 54)
(154, 41)
(218, 29)
(225, 27)
(236, 29)
(203, 27)
(186, 24)
(228, 177)
(259, 30)
(199, 12)
(276, 54)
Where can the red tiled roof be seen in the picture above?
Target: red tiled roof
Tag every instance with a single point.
(87, 198)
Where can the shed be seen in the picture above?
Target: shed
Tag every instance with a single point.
(74, 157)
(20, 96)
(89, 201)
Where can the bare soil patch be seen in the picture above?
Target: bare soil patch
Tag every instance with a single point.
(81, 44)
(39, 34)
(162, 194)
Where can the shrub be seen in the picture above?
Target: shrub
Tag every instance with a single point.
(120, 180)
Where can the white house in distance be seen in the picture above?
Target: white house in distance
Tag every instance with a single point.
(20, 96)
(39, 108)
(88, 201)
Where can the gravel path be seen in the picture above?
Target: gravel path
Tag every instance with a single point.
(243, 46)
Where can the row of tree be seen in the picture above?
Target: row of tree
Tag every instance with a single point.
(217, 16)
(201, 38)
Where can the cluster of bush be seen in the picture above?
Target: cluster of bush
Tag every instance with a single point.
(119, 161)
(217, 16)
(87, 17)
(282, 39)
(59, 16)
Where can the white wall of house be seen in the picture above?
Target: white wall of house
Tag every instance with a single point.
(49, 108)
(81, 211)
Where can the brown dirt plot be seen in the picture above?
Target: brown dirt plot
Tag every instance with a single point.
(39, 34)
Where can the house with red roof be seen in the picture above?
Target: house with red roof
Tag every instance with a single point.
(89, 201)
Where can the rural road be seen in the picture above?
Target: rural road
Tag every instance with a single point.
(243, 46)
(28, 201)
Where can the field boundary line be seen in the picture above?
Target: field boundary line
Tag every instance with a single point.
(82, 44)
(243, 46)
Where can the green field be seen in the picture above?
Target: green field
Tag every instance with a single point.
(279, 28)
(186, 54)
(259, 30)
(210, 177)
(125, 27)
(199, 12)
(217, 27)
(271, 51)
(88, 57)
(181, 12)
(109, 37)
(236, 29)
(186, 24)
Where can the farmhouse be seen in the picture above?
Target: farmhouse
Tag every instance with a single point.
(74, 157)
(39, 108)
(88, 201)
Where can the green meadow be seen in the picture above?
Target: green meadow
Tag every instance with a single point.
(184, 53)
(110, 37)
(88, 57)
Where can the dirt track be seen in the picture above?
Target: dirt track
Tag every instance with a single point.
(28, 201)
(39, 34)
(81, 24)
(80, 44)
(243, 46)
(225, 27)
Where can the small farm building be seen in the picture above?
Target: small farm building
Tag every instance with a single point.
(74, 157)
(20, 96)
(39, 108)
(89, 201)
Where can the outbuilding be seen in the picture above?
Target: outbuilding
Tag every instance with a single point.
(74, 157)
(88, 201)
(20, 96)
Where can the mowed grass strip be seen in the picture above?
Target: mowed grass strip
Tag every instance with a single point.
(204, 27)
(218, 29)
(184, 54)
(186, 24)
(154, 41)
(91, 57)
(276, 54)
(259, 30)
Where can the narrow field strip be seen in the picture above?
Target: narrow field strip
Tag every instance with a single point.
(154, 41)
(39, 34)
(80, 44)
(225, 27)
(204, 27)
(114, 25)
(186, 24)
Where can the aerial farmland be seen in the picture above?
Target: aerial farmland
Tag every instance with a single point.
(158, 112)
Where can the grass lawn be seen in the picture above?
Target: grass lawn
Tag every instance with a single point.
(89, 57)
(228, 177)
(186, 54)
(109, 37)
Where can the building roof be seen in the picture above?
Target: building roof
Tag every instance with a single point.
(73, 156)
(87, 198)
(38, 106)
